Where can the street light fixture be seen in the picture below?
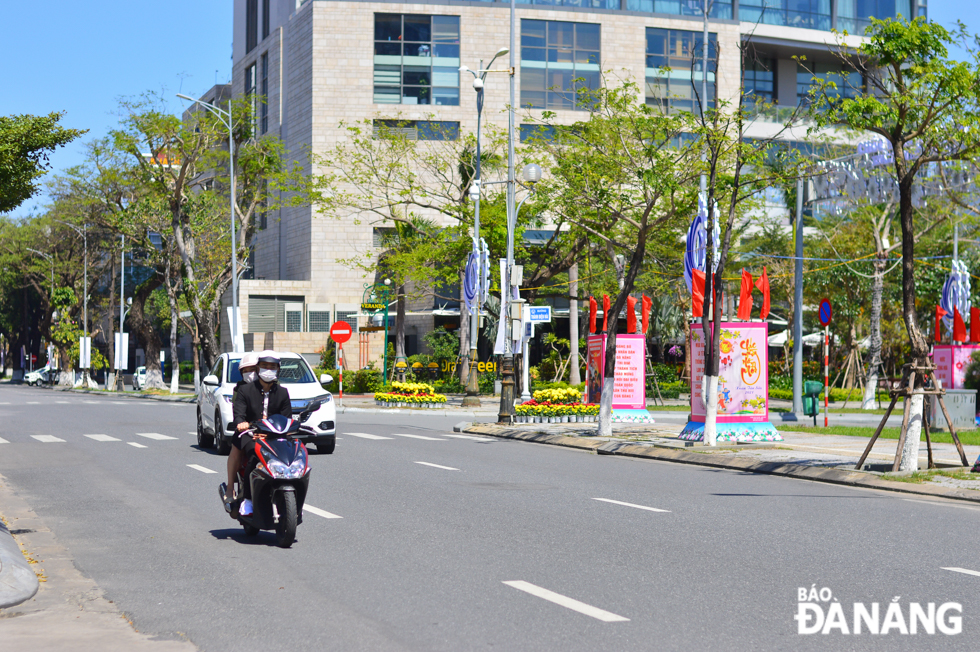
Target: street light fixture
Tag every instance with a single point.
(225, 118)
(479, 76)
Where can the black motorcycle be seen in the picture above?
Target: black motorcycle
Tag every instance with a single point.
(279, 479)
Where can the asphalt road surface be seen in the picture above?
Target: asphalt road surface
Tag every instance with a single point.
(420, 539)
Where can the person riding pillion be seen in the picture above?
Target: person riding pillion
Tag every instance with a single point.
(249, 367)
(256, 401)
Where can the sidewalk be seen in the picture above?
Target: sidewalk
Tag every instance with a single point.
(69, 611)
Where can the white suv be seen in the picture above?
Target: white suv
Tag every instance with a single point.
(214, 402)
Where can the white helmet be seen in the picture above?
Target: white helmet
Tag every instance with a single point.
(268, 356)
(250, 359)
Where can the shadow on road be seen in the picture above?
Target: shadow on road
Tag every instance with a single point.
(263, 538)
(209, 451)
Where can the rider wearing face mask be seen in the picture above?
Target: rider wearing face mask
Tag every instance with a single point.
(249, 368)
(255, 401)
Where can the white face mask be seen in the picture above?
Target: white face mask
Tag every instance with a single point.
(268, 375)
(250, 376)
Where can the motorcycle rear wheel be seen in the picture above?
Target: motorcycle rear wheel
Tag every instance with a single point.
(286, 526)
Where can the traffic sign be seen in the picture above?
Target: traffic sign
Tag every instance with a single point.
(539, 314)
(826, 312)
(33, 358)
(340, 332)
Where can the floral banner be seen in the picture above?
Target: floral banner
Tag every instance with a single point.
(743, 374)
(951, 363)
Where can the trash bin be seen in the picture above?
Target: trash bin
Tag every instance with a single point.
(811, 399)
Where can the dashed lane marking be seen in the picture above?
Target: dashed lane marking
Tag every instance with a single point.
(438, 466)
(365, 435)
(47, 439)
(202, 469)
(154, 435)
(189, 432)
(565, 601)
(64, 402)
(134, 444)
(319, 512)
(32, 403)
(3, 441)
(397, 434)
(616, 502)
(965, 571)
(470, 437)
(101, 437)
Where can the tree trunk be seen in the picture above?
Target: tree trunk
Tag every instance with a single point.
(874, 355)
(575, 378)
(143, 328)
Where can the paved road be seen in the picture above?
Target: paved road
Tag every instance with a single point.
(453, 543)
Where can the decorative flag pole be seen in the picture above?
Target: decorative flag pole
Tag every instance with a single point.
(826, 373)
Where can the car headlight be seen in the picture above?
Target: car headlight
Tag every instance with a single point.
(325, 398)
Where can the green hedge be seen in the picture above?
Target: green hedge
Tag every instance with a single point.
(836, 394)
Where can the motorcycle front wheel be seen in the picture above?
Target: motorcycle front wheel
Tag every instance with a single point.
(286, 525)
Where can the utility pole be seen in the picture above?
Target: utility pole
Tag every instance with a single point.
(798, 304)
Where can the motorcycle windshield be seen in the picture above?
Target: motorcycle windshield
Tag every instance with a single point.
(287, 451)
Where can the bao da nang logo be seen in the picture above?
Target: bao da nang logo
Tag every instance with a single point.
(819, 612)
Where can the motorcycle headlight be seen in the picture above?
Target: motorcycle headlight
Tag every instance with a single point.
(298, 467)
(277, 468)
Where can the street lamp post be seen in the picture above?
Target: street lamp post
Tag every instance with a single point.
(479, 79)
(226, 119)
(84, 233)
(384, 355)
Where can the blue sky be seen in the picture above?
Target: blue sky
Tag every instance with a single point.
(80, 57)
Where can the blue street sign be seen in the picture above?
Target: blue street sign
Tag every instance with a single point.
(826, 312)
(540, 314)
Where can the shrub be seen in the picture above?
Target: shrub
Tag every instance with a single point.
(665, 373)
(449, 385)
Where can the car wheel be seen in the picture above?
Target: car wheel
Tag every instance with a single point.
(325, 446)
(219, 437)
(204, 440)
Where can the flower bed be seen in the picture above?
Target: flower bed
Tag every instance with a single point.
(569, 396)
(545, 412)
(410, 395)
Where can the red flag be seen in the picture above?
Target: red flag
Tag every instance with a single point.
(630, 315)
(763, 284)
(592, 309)
(697, 293)
(975, 324)
(605, 312)
(959, 328)
(745, 297)
(939, 320)
(647, 306)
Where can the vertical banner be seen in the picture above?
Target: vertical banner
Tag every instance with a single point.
(121, 361)
(629, 388)
(235, 324)
(951, 363)
(84, 352)
(743, 373)
(595, 364)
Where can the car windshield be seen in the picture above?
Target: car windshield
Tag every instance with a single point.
(291, 371)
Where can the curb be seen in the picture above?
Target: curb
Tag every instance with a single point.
(831, 476)
(18, 583)
(436, 413)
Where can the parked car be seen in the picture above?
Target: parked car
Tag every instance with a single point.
(46, 374)
(139, 378)
(214, 402)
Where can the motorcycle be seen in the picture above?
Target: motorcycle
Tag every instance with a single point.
(279, 480)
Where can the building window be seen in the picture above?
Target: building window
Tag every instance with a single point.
(809, 14)
(349, 316)
(716, 9)
(318, 321)
(855, 15)
(558, 60)
(529, 132)
(849, 85)
(250, 91)
(264, 109)
(267, 314)
(382, 235)
(417, 129)
(265, 18)
(579, 4)
(416, 59)
(673, 69)
(251, 25)
(759, 79)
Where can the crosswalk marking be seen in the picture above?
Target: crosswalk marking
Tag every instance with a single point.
(134, 444)
(397, 434)
(202, 469)
(364, 435)
(438, 466)
(47, 439)
(154, 435)
(319, 512)
(101, 437)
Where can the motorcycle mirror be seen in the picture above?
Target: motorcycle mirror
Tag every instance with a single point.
(231, 427)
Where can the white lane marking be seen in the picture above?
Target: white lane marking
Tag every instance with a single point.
(935, 502)
(189, 432)
(133, 443)
(119, 403)
(65, 402)
(47, 439)
(565, 601)
(319, 512)
(3, 441)
(8, 402)
(364, 435)
(93, 402)
(471, 437)
(966, 571)
(101, 437)
(32, 403)
(395, 434)
(617, 502)
(202, 469)
(438, 466)
(153, 435)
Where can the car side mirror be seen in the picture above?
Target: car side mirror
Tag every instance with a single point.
(211, 380)
(326, 379)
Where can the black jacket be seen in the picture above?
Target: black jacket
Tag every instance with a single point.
(247, 406)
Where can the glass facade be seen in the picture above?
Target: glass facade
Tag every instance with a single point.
(759, 78)
(557, 60)
(674, 68)
(855, 15)
(717, 9)
(416, 59)
(848, 85)
(417, 129)
(809, 14)
(583, 4)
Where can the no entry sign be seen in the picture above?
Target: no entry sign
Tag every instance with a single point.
(340, 332)
(826, 312)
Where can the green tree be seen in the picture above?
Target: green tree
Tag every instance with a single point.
(26, 142)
